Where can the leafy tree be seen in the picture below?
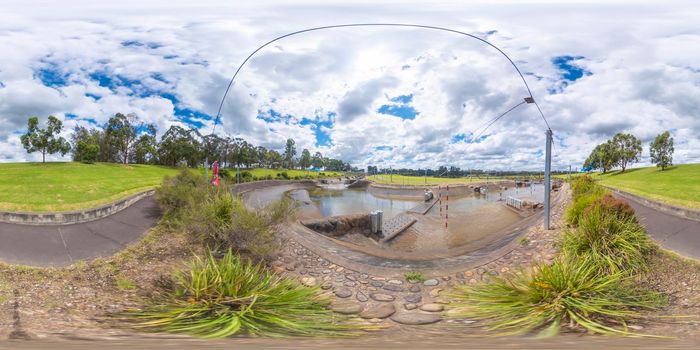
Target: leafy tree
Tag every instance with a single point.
(121, 131)
(180, 145)
(305, 159)
(317, 160)
(661, 150)
(608, 156)
(146, 147)
(629, 149)
(45, 140)
(86, 144)
(290, 151)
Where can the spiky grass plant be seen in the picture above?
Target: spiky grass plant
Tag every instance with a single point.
(563, 293)
(613, 242)
(218, 298)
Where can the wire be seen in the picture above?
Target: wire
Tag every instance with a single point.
(218, 113)
(494, 120)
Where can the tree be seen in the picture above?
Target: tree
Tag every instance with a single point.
(305, 159)
(317, 160)
(628, 148)
(86, 144)
(607, 155)
(661, 150)
(146, 147)
(45, 140)
(180, 145)
(290, 151)
(121, 131)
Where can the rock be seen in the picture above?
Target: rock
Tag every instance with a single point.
(413, 298)
(410, 306)
(431, 282)
(393, 288)
(340, 269)
(376, 284)
(382, 297)
(342, 293)
(351, 277)
(414, 288)
(361, 297)
(378, 279)
(308, 281)
(504, 269)
(469, 274)
(340, 279)
(326, 285)
(326, 271)
(435, 292)
(347, 308)
(395, 282)
(432, 307)
(635, 327)
(383, 310)
(414, 318)
(364, 276)
(473, 281)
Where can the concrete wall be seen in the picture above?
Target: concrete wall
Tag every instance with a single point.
(71, 217)
(256, 185)
(411, 191)
(666, 208)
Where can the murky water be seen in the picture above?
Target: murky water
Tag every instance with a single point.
(469, 222)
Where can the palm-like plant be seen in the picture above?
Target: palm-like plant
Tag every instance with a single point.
(221, 297)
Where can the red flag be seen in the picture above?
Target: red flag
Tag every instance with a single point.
(215, 180)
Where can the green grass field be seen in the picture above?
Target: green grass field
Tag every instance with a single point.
(46, 187)
(678, 185)
(420, 180)
(261, 172)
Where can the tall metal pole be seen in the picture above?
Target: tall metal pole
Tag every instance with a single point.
(547, 179)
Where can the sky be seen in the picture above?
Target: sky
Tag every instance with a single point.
(383, 96)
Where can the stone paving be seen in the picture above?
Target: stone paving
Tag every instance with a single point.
(392, 299)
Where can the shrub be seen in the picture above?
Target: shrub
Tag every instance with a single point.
(283, 175)
(581, 185)
(613, 206)
(181, 193)
(613, 242)
(246, 176)
(214, 217)
(217, 298)
(581, 203)
(565, 292)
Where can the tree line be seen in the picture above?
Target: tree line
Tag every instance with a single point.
(625, 149)
(126, 139)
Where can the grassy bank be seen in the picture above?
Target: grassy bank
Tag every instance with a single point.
(291, 173)
(46, 187)
(678, 185)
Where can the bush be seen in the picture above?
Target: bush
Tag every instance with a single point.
(246, 176)
(566, 292)
(218, 298)
(283, 175)
(219, 220)
(617, 207)
(581, 185)
(581, 203)
(611, 239)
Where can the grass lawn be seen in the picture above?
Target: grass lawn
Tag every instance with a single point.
(53, 186)
(678, 185)
(262, 172)
(420, 180)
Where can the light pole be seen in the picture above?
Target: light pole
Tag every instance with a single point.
(547, 178)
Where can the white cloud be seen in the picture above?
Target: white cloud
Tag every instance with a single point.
(642, 59)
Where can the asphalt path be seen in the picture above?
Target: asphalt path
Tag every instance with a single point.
(61, 245)
(673, 232)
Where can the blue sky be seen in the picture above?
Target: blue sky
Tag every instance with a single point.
(384, 96)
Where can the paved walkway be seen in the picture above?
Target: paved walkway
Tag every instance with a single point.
(61, 245)
(672, 232)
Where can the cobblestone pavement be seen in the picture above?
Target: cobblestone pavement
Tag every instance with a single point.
(391, 300)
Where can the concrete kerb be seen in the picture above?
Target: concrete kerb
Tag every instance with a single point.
(685, 213)
(72, 217)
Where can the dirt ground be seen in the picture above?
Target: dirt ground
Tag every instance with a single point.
(72, 304)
